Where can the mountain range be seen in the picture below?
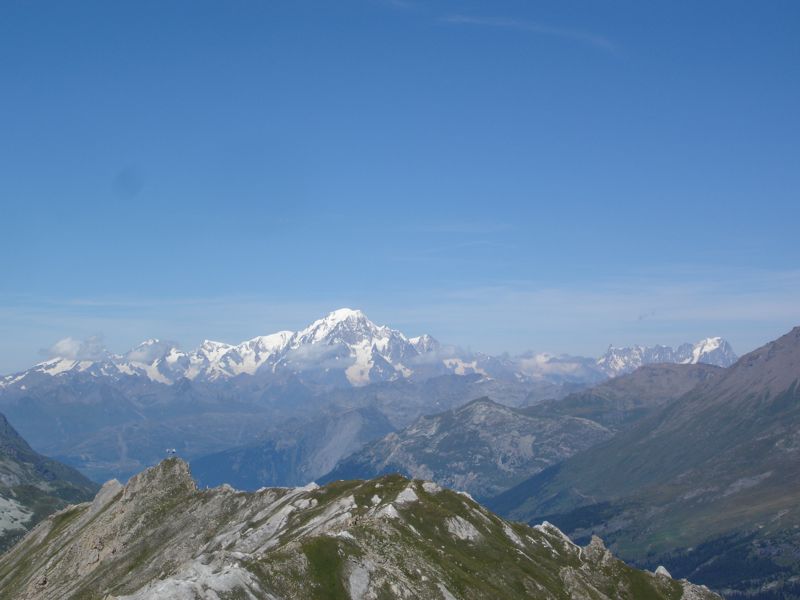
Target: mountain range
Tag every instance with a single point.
(112, 415)
(161, 537)
(681, 463)
(710, 351)
(709, 484)
(346, 348)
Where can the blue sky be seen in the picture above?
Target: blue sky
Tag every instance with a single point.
(504, 175)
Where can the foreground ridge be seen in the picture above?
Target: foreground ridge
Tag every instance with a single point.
(159, 536)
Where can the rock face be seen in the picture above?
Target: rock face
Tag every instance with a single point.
(160, 537)
(482, 448)
(32, 486)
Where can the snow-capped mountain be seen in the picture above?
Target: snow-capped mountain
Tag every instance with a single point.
(113, 414)
(343, 347)
(346, 349)
(712, 351)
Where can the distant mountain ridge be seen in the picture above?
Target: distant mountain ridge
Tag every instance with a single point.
(710, 351)
(484, 447)
(345, 348)
(622, 401)
(709, 484)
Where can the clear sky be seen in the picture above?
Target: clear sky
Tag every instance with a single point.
(506, 175)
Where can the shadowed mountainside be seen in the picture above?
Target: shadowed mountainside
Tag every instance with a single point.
(32, 486)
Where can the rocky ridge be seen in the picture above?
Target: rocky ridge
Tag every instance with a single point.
(159, 536)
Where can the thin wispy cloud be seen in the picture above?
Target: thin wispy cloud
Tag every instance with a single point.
(575, 35)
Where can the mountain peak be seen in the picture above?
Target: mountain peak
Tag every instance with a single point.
(342, 325)
(214, 350)
(711, 350)
(149, 351)
(342, 314)
(169, 477)
(338, 317)
(424, 343)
